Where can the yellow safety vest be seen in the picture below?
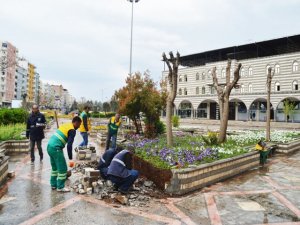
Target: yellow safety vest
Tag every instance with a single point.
(82, 128)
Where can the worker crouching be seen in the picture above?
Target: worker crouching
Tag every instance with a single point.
(120, 171)
(106, 159)
(263, 151)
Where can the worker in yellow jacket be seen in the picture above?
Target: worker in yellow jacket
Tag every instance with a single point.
(85, 125)
(64, 135)
(263, 151)
(112, 131)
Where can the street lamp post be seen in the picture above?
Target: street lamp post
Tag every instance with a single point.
(132, 3)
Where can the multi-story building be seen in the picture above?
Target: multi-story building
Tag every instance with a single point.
(197, 98)
(31, 83)
(8, 54)
(37, 88)
(21, 80)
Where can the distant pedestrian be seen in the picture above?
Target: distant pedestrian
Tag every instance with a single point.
(36, 124)
(64, 135)
(120, 171)
(112, 131)
(85, 125)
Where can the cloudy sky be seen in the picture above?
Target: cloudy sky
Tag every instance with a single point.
(84, 44)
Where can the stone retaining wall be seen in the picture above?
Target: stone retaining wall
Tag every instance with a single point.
(191, 179)
(289, 147)
(182, 181)
(12, 147)
(3, 169)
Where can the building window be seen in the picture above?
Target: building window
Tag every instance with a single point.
(223, 73)
(203, 90)
(203, 76)
(250, 71)
(212, 90)
(180, 91)
(185, 91)
(185, 78)
(197, 76)
(277, 69)
(242, 73)
(180, 78)
(277, 86)
(209, 74)
(267, 69)
(242, 88)
(250, 88)
(295, 85)
(197, 90)
(295, 66)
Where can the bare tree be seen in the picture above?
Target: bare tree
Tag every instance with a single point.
(173, 64)
(223, 91)
(269, 84)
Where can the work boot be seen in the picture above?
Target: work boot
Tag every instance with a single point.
(64, 190)
(53, 188)
(32, 163)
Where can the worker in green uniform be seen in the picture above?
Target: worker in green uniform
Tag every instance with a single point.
(112, 131)
(64, 135)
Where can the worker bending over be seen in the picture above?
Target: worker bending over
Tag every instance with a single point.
(65, 134)
(106, 159)
(120, 171)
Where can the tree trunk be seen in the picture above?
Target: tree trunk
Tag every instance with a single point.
(268, 125)
(224, 119)
(169, 109)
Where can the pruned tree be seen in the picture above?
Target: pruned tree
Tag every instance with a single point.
(223, 91)
(269, 84)
(173, 64)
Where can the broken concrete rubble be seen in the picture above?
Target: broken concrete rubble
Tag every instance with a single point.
(88, 181)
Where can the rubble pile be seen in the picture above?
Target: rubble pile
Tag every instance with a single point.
(87, 180)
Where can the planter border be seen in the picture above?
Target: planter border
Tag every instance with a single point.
(287, 148)
(14, 146)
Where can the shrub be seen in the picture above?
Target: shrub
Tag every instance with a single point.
(12, 132)
(160, 127)
(175, 121)
(13, 116)
(211, 139)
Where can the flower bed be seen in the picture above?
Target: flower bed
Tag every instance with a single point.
(193, 150)
(192, 163)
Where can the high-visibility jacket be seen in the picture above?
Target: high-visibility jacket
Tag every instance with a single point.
(60, 137)
(117, 166)
(82, 127)
(113, 126)
(259, 147)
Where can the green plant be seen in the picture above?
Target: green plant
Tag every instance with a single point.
(160, 127)
(211, 138)
(12, 132)
(12, 116)
(175, 121)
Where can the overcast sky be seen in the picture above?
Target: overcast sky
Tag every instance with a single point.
(84, 44)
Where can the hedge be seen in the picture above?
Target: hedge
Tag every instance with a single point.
(13, 116)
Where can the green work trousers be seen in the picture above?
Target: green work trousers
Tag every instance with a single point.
(59, 167)
(263, 156)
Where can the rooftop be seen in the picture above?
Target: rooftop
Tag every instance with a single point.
(254, 50)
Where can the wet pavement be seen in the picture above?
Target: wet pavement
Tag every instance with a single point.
(269, 195)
